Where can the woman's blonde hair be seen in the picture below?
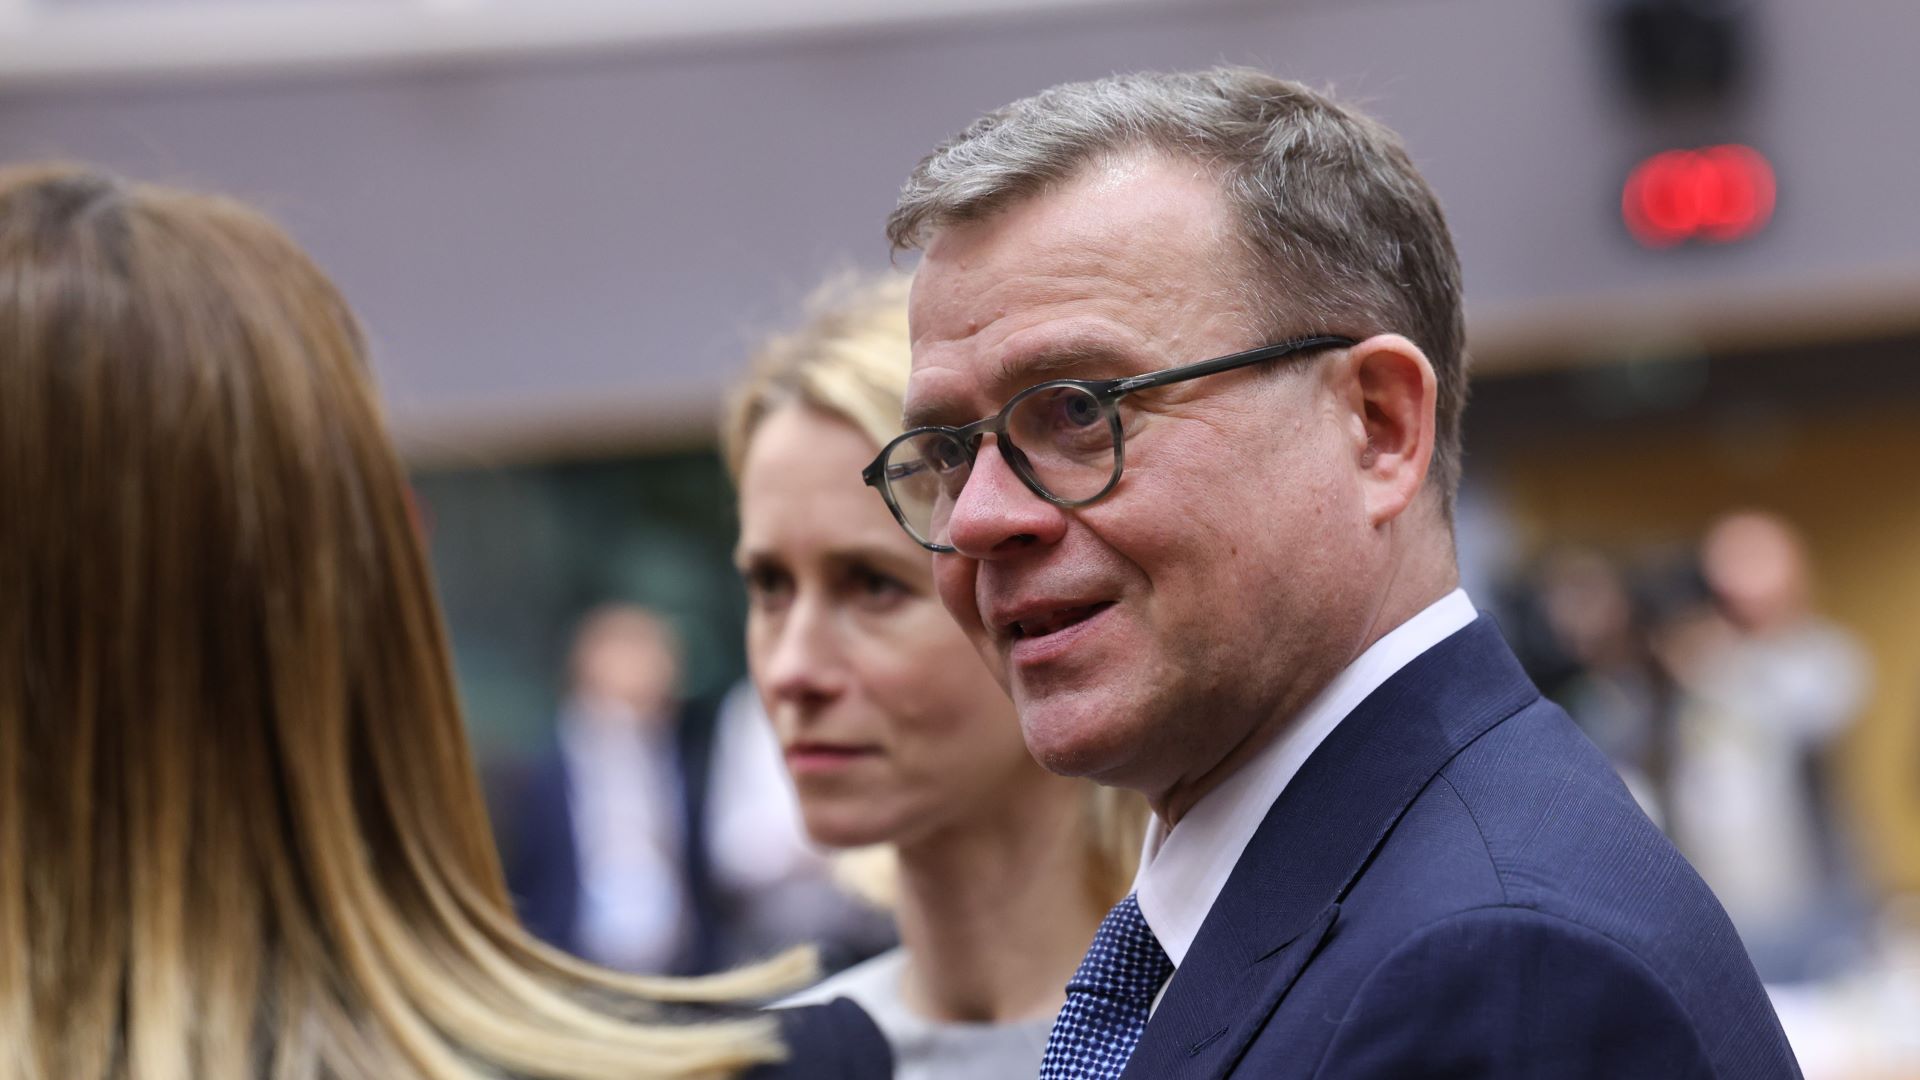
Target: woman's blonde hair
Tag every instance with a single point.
(850, 360)
(240, 830)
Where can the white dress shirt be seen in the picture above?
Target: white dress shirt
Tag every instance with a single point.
(1183, 869)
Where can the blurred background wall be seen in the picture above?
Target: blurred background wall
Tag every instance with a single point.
(570, 249)
(566, 224)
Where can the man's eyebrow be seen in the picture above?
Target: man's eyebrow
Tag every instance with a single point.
(1080, 357)
(926, 413)
(1014, 372)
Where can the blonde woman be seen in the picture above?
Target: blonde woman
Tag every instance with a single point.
(894, 730)
(240, 834)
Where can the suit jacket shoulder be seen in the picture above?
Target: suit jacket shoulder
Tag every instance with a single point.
(1458, 864)
(1569, 844)
(1520, 993)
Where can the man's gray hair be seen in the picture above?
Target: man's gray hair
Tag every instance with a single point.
(1344, 234)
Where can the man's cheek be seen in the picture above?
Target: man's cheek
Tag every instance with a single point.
(953, 579)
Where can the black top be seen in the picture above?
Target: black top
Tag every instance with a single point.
(835, 1041)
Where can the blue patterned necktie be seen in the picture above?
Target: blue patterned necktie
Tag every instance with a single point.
(1108, 999)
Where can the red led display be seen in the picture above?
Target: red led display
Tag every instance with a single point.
(1718, 194)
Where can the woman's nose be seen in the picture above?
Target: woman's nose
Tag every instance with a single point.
(806, 666)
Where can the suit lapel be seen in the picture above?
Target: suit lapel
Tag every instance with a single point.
(1282, 900)
(1204, 1024)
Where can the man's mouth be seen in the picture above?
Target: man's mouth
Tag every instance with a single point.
(1041, 624)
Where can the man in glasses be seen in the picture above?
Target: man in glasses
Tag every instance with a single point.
(1183, 435)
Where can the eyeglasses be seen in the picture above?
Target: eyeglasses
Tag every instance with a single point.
(1062, 438)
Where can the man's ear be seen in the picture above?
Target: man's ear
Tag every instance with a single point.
(1393, 393)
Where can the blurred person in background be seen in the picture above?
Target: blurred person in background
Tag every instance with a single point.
(894, 730)
(1767, 686)
(240, 830)
(657, 836)
(1582, 633)
(599, 860)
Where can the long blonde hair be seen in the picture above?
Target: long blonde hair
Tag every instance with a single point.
(240, 830)
(850, 359)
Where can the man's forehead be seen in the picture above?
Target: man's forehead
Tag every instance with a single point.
(1102, 212)
(988, 312)
(960, 294)
(955, 381)
(1124, 245)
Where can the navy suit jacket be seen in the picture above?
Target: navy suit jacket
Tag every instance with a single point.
(835, 1041)
(1456, 884)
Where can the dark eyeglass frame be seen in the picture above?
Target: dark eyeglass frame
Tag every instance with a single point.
(1107, 392)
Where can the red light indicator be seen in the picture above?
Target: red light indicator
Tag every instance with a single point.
(1718, 194)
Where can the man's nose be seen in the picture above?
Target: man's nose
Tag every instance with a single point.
(998, 515)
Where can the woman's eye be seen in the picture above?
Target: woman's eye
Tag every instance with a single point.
(767, 586)
(874, 587)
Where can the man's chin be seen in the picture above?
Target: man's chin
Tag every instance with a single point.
(1076, 742)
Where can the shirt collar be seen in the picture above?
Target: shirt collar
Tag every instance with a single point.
(1183, 870)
